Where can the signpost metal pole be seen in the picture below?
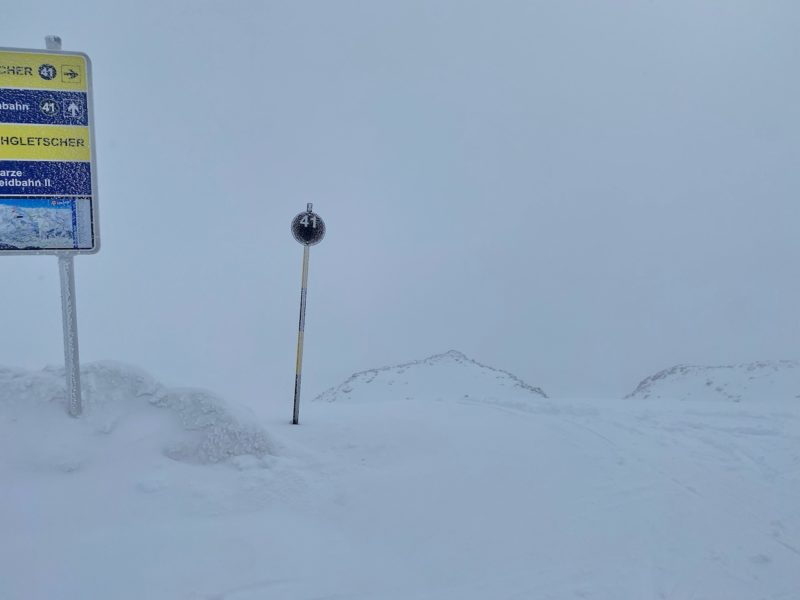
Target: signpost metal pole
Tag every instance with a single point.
(69, 317)
(52, 42)
(66, 267)
(308, 228)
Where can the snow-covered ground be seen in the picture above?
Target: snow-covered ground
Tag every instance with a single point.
(438, 479)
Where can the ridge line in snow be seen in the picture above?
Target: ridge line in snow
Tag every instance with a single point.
(429, 361)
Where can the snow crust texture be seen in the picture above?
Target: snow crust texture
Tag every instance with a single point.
(188, 425)
(451, 375)
(752, 382)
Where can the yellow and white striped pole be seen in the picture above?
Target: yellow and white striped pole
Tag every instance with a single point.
(298, 374)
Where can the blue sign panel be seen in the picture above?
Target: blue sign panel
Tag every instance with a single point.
(44, 107)
(39, 178)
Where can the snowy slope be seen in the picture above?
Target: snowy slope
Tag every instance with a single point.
(753, 382)
(495, 494)
(450, 375)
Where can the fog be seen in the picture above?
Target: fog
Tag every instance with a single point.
(580, 193)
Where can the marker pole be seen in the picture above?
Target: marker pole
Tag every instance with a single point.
(300, 333)
(69, 317)
(308, 228)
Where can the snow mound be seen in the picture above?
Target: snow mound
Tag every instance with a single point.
(440, 377)
(758, 381)
(124, 406)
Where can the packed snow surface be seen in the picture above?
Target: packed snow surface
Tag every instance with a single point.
(752, 382)
(492, 493)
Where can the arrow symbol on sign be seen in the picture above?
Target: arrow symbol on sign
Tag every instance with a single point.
(72, 74)
(73, 109)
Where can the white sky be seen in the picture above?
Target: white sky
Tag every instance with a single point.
(579, 192)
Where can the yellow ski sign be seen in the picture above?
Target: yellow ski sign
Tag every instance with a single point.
(43, 71)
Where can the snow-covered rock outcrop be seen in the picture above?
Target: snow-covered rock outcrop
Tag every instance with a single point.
(753, 382)
(445, 376)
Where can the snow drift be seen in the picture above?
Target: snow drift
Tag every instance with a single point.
(124, 405)
(439, 377)
(758, 381)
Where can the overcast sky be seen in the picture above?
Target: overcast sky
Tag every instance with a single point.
(582, 193)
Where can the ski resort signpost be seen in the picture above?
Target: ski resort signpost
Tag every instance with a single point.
(308, 228)
(48, 179)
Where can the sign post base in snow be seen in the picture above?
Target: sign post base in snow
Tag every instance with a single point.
(308, 228)
(48, 180)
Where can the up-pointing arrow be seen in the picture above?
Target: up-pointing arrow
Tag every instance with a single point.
(73, 109)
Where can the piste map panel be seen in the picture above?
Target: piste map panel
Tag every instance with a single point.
(48, 192)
